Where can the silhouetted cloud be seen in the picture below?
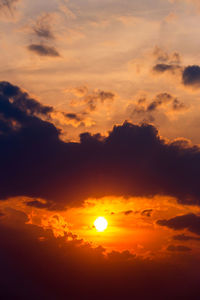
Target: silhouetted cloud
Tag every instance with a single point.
(165, 62)
(191, 222)
(160, 99)
(128, 212)
(161, 68)
(178, 248)
(191, 76)
(146, 109)
(132, 160)
(147, 212)
(184, 238)
(36, 265)
(44, 50)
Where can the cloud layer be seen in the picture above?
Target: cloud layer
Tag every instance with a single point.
(131, 161)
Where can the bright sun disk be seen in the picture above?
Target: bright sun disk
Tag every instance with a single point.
(100, 224)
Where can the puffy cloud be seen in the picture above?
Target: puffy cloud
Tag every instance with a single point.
(90, 98)
(164, 103)
(191, 76)
(132, 160)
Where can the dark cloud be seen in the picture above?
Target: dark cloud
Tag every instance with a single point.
(160, 99)
(43, 50)
(166, 63)
(93, 99)
(36, 265)
(191, 76)
(131, 161)
(147, 212)
(161, 68)
(191, 222)
(73, 116)
(38, 204)
(128, 212)
(146, 109)
(185, 238)
(178, 248)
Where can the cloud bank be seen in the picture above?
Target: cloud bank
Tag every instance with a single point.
(132, 160)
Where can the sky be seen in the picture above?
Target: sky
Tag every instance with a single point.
(99, 117)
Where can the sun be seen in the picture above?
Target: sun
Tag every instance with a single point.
(100, 224)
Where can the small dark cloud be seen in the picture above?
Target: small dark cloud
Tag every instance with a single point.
(161, 68)
(43, 50)
(178, 248)
(38, 204)
(147, 110)
(191, 76)
(147, 212)
(165, 62)
(93, 99)
(128, 212)
(160, 99)
(191, 222)
(185, 238)
(73, 116)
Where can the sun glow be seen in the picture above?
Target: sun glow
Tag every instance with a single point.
(100, 224)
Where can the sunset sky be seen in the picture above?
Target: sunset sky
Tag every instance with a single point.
(99, 117)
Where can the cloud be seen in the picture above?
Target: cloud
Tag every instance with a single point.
(162, 103)
(43, 27)
(185, 238)
(132, 160)
(43, 50)
(160, 99)
(78, 270)
(165, 63)
(191, 222)
(161, 68)
(147, 212)
(8, 6)
(128, 212)
(90, 98)
(191, 76)
(178, 248)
